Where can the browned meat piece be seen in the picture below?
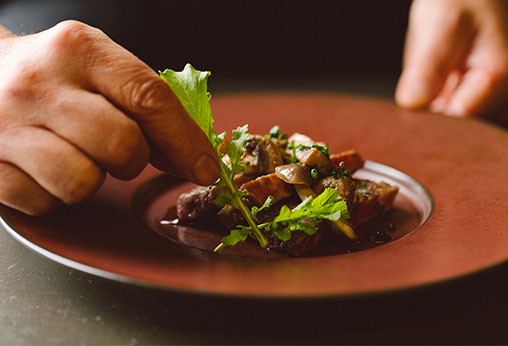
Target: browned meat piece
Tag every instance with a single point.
(267, 185)
(230, 217)
(351, 158)
(242, 178)
(262, 154)
(316, 159)
(344, 185)
(370, 200)
(299, 244)
(196, 203)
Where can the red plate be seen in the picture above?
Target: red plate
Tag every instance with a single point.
(463, 163)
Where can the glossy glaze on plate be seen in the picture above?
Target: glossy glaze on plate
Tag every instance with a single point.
(462, 162)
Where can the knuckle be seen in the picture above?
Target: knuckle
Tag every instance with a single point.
(126, 144)
(149, 95)
(82, 184)
(70, 35)
(24, 83)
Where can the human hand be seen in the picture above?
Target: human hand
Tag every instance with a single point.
(456, 57)
(74, 105)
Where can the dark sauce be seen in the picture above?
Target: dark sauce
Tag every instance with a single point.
(207, 232)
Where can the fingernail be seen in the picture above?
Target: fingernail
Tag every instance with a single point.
(205, 170)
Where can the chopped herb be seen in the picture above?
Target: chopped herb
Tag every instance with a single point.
(341, 171)
(314, 173)
(391, 226)
(362, 191)
(291, 145)
(274, 132)
(322, 148)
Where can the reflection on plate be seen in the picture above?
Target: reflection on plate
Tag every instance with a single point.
(155, 206)
(463, 162)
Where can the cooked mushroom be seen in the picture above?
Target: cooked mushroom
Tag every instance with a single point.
(294, 174)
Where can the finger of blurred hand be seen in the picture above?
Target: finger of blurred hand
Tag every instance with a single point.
(480, 91)
(23, 193)
(99, 129)
(439, 104)
(137, 90)
(436, 43)
(55, 164)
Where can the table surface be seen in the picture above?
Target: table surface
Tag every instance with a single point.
(42, 302)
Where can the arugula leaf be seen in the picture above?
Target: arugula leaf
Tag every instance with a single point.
(236, 148)
(267, 204)
(304, 217)
(190, 86)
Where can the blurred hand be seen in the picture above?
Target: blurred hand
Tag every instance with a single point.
(74, 105)
(456, 57)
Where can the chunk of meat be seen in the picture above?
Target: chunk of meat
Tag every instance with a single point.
(230, 217)
(344, 185)
(351, 158)
(267, 185)
(370, 200)
(196, 203)
(262, 154)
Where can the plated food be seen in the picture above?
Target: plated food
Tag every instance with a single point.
(287, 174)
(288, 193)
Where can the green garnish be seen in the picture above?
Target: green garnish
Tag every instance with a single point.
(275, 133)
(190, 86)
(362, 191)
(267, 204)
(341, 171)
(322, 148)
(291, 145)
(304, 217)
(314, 173)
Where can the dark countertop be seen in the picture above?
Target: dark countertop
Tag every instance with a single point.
(42, 302)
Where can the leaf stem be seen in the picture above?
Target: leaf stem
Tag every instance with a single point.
(245, 212)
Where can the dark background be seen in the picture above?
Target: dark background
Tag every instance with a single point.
(350, 45)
